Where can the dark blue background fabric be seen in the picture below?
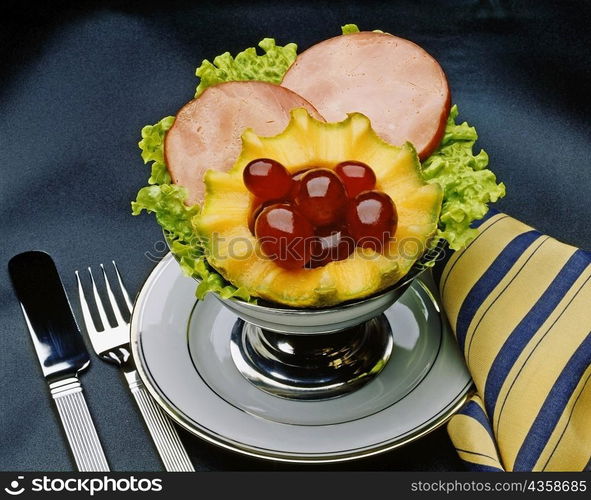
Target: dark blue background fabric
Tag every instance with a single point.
(79, 80)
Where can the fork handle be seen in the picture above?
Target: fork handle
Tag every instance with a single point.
(77, 422)
(165, 436)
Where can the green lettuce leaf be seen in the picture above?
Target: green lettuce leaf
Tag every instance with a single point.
(151, 147)
(248, 65)
(167, 202)
(468, 186)
(347, 29)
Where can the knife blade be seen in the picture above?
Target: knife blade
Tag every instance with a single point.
(60, 350)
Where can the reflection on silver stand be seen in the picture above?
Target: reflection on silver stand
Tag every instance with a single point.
(311, 366)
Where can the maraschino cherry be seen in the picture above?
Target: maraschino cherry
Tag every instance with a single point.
(285, 235)
(267, 179)
(321, 197)
(356, 177)
(318, 215)
(372, 219)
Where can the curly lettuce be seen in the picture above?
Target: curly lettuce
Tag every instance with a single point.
(167, 202)
(468, 185)
(248, 65)
(347, 29)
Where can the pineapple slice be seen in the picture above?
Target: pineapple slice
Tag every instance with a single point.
(306, 142)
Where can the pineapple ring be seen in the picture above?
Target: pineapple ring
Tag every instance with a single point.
(232, 249)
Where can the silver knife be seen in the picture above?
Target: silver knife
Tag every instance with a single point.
(60, 349)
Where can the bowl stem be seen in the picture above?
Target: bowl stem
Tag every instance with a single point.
(311, 367)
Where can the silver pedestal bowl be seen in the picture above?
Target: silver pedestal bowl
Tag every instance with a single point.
(310, 354)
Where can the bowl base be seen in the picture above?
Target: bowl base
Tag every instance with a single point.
(311, 367)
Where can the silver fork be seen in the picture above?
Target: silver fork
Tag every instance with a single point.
(112, 344)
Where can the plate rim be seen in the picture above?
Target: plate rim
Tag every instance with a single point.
(228, 444)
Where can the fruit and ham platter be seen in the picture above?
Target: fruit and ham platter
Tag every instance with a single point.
(308, 180)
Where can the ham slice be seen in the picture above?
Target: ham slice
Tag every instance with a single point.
(206, 132)
(394, 82)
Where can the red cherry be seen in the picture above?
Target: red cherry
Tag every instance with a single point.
(356, 177)
(321, 197)
(267, 179)
(285, 235)
(257, 207)
(372, 219)
(296, 178)
(333, 244)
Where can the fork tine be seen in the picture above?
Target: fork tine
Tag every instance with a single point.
(99, 303)
(122, 287)
(114, 306)
(88, 321)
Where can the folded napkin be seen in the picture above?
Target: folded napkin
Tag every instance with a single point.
(519, 303)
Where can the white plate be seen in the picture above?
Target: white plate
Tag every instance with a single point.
(182, 350)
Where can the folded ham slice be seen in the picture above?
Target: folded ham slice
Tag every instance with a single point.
(206, 132)
(394, 82)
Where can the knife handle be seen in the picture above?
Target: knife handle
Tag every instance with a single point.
(165, 436)
(77, 422)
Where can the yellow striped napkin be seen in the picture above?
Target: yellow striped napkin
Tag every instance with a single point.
(520, 305)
